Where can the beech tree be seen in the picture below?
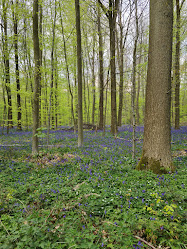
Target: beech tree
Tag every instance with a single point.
(111, 14)
(101, 76)
(7, 64)
(36, 79)
(79, 72)
(156, 154)
(15, 21)
(177, 63)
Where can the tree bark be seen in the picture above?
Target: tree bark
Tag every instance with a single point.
(157, 129)
(79, 72)
(133, 91)
(101, 77)
(67, 68)
(36, 96)
(51, 97)
(7, 67)
(111, 14)
(177, 68)
(15, 21)
(113, 5)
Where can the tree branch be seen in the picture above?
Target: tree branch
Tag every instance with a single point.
(181, 4)
(104, 8)
(147, 243)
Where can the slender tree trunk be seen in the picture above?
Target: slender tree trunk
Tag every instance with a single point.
(101, 74)
(121, 78)
(106, 98)
(76, 92)
(7, 67)
(51, 97)
(121, 60)
(36, 96)
(177, 68)
(15, 20)
(79, 71)
(4, 107)
(93, 81)
(157, 128)
(41, 55)
(84, 90)
(112, 23)
(67, 69)
(56, 94)
(133, 94)
(138, 88)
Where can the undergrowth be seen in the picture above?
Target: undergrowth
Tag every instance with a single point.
(90, 197)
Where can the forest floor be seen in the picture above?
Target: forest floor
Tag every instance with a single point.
(89, 197)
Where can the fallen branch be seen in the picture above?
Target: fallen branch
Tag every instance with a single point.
(147, 243)
(121, 138)
(4, 227)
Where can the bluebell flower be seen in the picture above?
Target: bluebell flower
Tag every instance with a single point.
(139, 243)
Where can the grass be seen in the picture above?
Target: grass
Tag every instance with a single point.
(90, 197)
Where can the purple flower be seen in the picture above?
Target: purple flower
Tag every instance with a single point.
(162, 228)
(139, 243)
(143, 200)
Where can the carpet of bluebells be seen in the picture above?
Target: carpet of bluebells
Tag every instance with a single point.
(89, 197)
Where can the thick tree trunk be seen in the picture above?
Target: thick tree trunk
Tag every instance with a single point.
(157, 130)
(36, 96)
(79, 72)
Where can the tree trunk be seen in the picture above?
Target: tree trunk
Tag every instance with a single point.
(112, 24)
(41, 55)
(15, 21)
(121, 59)
(101, 78)
(139, 84)
(36, 96)
(7, 67)
(67, 68)
(79, 71)
(56, 94)
(51, 97)
(177, 68)
(133, 94)
(157, 130)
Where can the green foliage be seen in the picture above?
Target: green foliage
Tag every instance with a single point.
(89, 197)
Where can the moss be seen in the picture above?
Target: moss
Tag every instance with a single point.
(153, 165)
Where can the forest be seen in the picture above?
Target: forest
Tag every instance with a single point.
(93, 124)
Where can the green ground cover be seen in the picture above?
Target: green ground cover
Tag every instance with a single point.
(90, 197)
